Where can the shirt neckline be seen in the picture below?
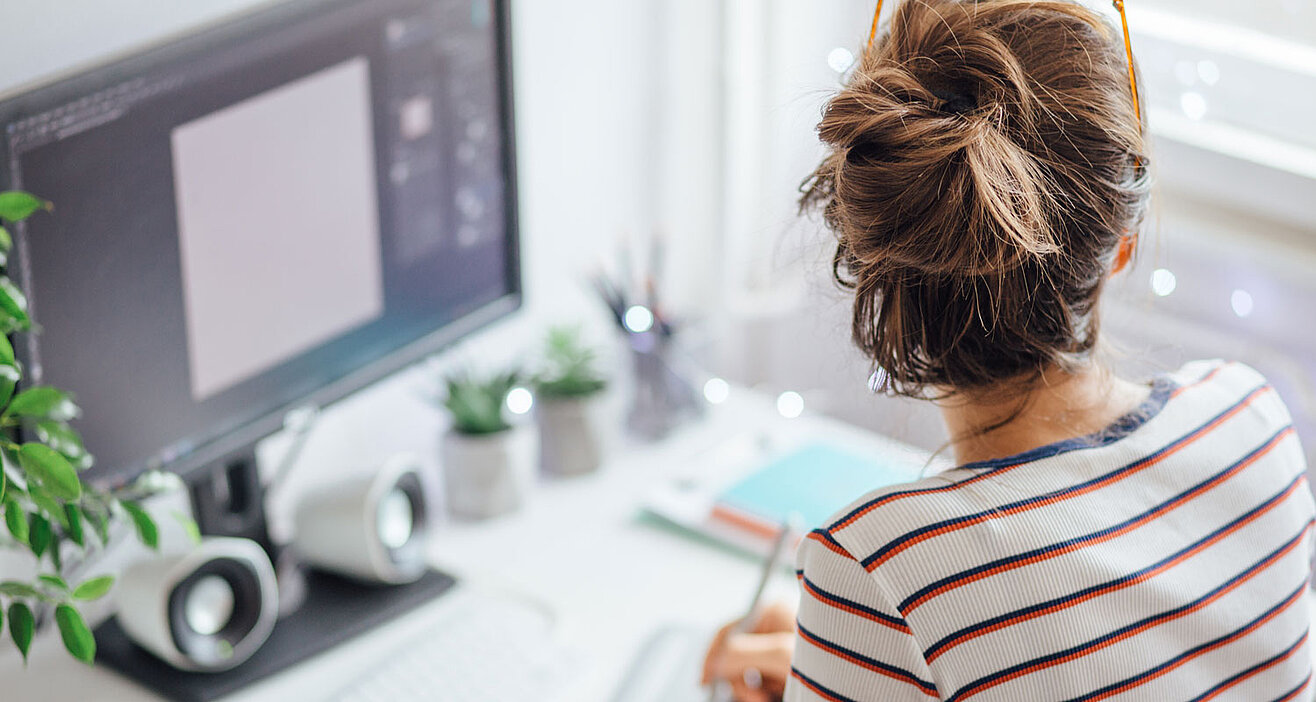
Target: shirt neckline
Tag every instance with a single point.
(1162, 388)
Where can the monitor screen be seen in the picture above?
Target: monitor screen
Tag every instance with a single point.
(271, 212)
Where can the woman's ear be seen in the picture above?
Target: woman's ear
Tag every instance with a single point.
(1124, 254)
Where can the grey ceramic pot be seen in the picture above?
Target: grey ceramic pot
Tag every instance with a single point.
(571, 435)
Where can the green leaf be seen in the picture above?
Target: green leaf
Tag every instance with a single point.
(476, 403)
(100, 523)
(13, 303)
(43, 402)
(53, 470)
(54, 581)
(55, 559)
(77, 637)
(39, 533)
(6, 241)
(9, 463)
(43, 500)
(73, 526)
(6, 348)
(94, 588)
(16, 205)
(61, 437)
(16, 520)
(146, 529)
(569, 366)
(13, 588)
(21, 624)
(9, 377)
(189, 525)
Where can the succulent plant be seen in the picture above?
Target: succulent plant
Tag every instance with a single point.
(569, 366)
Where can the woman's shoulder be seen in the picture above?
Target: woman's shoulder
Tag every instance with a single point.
(1230, 387)
(1216, 373)
(1196, 395)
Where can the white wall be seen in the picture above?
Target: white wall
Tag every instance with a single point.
(50, 38)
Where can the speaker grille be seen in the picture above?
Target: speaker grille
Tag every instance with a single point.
(215, 646)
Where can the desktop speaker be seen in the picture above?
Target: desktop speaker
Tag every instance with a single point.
(373, 529)
(206, 610)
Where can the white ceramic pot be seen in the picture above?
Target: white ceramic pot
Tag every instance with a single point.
(489, 475)
(571, 434)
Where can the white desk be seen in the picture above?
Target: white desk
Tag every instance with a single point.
(648, 575)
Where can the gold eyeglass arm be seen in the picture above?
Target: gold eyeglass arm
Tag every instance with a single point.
(1128, 52)
(872, 32)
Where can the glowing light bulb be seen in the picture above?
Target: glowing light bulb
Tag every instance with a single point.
(519, 401)
(1193, 105)
(840, 59)
(1242, 303)
(716, 391)
(790, 404)
(638, 319)
(1163, 282)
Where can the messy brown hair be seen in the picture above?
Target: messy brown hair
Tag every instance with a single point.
(985, 161)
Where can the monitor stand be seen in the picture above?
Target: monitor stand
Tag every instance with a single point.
(334, 611)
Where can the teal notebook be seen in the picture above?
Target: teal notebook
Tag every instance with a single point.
(816, 481)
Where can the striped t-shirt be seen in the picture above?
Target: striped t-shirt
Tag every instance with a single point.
(1166, 558)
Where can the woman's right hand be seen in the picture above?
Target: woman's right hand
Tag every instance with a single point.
(763, 655)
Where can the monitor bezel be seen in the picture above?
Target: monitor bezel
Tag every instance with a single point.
(225, 33)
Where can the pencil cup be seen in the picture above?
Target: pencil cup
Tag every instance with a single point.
(663, 396)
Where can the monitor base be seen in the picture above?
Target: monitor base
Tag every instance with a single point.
(335, 610)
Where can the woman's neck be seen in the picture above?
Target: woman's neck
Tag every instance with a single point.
(1060, 406)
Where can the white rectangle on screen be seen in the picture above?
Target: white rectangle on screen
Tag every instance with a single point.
(278, 225)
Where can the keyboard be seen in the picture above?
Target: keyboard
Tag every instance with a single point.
(490, 650)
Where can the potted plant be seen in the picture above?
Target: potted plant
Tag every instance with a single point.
(568, 389)
(488, 463)
(49, 511)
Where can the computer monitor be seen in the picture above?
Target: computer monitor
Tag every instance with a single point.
(268, 213)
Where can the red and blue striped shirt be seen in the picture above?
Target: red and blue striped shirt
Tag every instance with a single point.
(1166, 558)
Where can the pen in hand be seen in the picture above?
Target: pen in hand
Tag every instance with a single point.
(720, 690)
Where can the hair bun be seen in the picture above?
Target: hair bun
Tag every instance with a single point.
(956, 102)
(934, 173)
(983, 163)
